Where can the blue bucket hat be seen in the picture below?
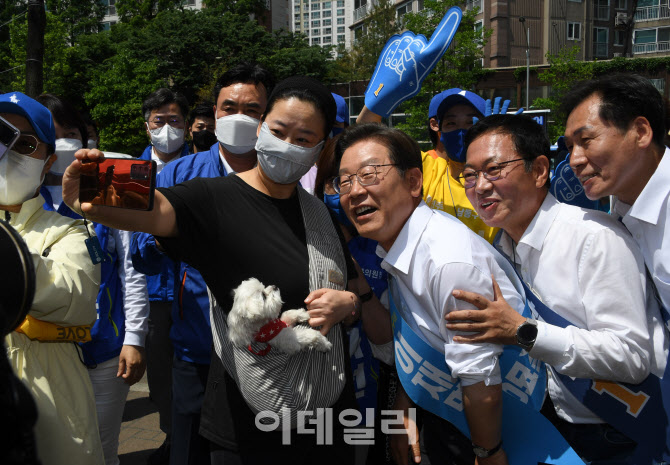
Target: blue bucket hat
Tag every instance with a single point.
(450, 97)
(37, 114)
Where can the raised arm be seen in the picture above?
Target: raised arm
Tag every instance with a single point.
(160, 221)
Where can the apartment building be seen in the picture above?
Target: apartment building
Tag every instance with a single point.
(324, 22)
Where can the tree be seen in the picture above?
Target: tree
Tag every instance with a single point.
(563, 72)
(118, 89)
(139, 12)
(291, 55)
(459, 67)
(9, 12)
(78, 16)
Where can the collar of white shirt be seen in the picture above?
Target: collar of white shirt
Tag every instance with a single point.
(536, 232)
(401, 252)
(649, 203)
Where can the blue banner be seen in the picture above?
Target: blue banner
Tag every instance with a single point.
(528, 437)
(640, 411)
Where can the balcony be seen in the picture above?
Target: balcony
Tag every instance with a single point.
(601, 12)
(652, 13)
(651, 47)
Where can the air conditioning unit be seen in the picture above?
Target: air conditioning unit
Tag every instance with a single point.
(618, 54)
(621, 18)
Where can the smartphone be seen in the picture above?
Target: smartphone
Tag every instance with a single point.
(8, 136)
(119, 182)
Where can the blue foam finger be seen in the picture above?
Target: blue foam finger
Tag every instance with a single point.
(496, 106)
(404, 63)
(505, 107)
(488, 111)
(519, 111)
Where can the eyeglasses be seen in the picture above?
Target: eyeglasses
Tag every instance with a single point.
(26, 144)
(366, 175)
(491, 173)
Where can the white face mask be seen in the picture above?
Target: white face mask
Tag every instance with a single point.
(65, 149)
(20, 176)
(281, 161)
(92, 144)
(167, 139)
(237, 133)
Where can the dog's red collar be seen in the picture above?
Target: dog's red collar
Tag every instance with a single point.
(267, 332)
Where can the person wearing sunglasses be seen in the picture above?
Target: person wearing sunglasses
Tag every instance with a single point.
(584, 268)
(41, 349)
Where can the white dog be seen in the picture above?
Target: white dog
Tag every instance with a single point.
(255, 316)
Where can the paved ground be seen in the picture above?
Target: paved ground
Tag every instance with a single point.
(140, 434)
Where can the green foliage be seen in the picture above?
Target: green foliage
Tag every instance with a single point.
(139, 12)
(78, 16)
(563, 72)
(460, 66)
(292, 55)
(118, 88)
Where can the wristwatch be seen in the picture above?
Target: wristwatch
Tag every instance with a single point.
(526, 334)
(485, 453)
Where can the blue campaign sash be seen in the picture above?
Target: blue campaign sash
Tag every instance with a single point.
(640, 411)
(528, 437)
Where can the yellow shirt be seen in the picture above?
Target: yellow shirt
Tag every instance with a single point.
(442, 192)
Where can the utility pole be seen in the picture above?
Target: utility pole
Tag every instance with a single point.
(37, 20)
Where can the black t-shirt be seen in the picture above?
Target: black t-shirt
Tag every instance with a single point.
(230, 232)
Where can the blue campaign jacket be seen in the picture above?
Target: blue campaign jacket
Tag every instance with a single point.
(159, 270)
(108, 332)
(191, 333)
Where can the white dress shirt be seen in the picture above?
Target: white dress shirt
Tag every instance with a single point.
(134, 286)
(433, 255)
(648, 221)
(584, 265)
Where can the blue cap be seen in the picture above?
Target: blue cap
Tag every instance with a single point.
(450, 97)
(37, 114)
(342, 110)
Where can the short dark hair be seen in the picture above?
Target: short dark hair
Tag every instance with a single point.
(202, 110)
(245, 73)
(162, 97)
(305, 89)
(65, 114)
(403, 150)
(624, 97)
(529, 139)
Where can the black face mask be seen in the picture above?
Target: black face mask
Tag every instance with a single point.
(203, 140)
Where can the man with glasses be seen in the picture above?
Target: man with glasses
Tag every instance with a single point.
(67, 282)
(380, 187)
(165, 115)
(582, 264)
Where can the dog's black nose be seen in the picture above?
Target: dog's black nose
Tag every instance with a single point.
(273, 287)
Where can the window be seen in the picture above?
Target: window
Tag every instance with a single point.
(620, 4)
(340, 3)
(327, 5)
(327, 31)
(619, 38)
(574, 31)
(316, 41)
(327, 39)
(296, 17)
(340, 12)
(340, 29)
(106, 26)
(327, 14)
(651, 40)
(327, 22)
(600, 39)
(340, 39)
(316, 23)
(340, 20)
(406, 8)
(316, 6)
(111, 10)
(479, 27)
(315, 32)
(297, 24)
(305, 16)
(316, 15)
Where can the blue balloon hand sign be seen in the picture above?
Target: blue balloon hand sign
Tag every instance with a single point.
(404, 63)
(496, 110)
